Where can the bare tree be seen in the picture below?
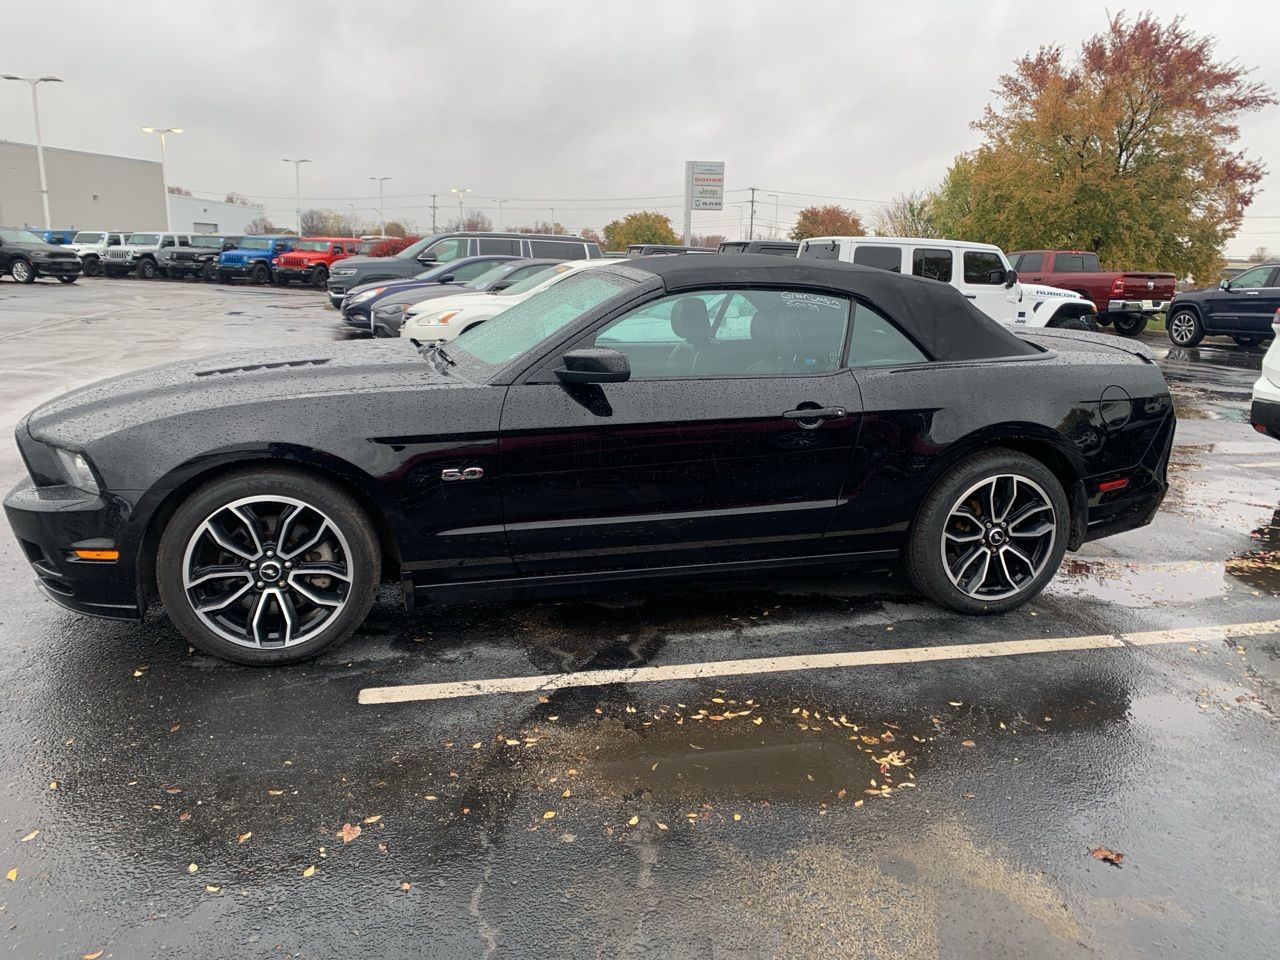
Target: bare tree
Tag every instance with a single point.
(474, 222)
(1260, 255)
(322, 223)
(239, 199)
(906, 215)
(260, 224)
(178, 191)
(544, 227)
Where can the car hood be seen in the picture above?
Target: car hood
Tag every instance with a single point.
(39, 249)
(468, 300)
(364, 263)
(1039, 291)
(235, 383)
(242, 256)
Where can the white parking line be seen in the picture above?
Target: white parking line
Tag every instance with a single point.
(816, 661)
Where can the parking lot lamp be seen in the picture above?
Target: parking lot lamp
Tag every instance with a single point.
(459, 191)
(297, 191)
(35, 112)
(739, 206)
(775, 215)
(164, 181)
(382, 215)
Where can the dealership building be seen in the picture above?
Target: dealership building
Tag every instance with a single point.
(94, 191)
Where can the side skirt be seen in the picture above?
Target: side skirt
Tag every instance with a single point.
(561, 584)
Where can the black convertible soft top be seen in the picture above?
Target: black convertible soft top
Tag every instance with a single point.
(936, 315)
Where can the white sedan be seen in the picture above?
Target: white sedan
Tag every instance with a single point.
(445, 317)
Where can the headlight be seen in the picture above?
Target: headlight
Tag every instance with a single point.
(367, 295)
(436, 319)
(343, 272)
(76, 469)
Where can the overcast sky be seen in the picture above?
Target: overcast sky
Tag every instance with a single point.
(589, 108)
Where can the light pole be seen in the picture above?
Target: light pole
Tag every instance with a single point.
(297, 190)
(382, 213)
(775, 214)
(164, 182)
(739, 206)
(553, 219)
(459, 191)
(500, 203)
(35, 112)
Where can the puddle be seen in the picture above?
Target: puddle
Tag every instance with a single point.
(1132, 584)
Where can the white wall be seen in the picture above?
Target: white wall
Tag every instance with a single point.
(87, 191)
(224, 217)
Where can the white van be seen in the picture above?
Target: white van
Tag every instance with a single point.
(980, 271)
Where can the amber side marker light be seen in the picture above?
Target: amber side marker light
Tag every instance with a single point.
(98, 554)
(1112, 485)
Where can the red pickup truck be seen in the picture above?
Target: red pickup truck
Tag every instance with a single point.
(1122, 298)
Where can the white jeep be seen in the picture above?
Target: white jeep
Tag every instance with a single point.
(91, 246)
(980, 271)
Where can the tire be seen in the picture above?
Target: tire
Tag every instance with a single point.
(947, 572)
(319, 276)
(208, 272)
(1129, 324)
(1185, 328)
(68, 279)
(22, 271)
(92, 267)
(147, 268)
(1247, 342)
(259, 274)
(343, 547)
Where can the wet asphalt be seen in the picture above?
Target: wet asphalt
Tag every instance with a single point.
(156, 802)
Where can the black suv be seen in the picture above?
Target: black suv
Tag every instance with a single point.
(443, 247)
(1241, 308)
(200, 260)
(24, 256)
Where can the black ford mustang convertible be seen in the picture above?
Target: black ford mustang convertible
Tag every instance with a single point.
(664, 417)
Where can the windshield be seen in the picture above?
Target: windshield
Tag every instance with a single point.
(83, 237)
(521, 327)
(316, 246)
(144, 239)
(255, 243)
(537, 279)
(489, 277)
(207, 241)
(19, 236)
(435, 273)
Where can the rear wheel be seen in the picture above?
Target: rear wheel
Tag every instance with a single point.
(68, 279)
(1185, 328)
(268, 566)
(22, 271)
(259, 274)
(1129, 324)
(319, 275)
(990, 534)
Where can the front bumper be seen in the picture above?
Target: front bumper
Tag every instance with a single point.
(293, 273)
(69, 267)
(337, 288)
(49, 523)
(229, 270)
(1265, 411)
(1144, 307)
(388, 321)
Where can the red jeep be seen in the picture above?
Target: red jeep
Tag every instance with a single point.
(311, 261)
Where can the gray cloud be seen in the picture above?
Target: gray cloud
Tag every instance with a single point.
(558, 102)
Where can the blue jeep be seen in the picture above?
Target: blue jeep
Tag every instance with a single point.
(254, 260)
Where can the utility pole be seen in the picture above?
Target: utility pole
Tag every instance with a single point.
(164, 177)
(500, 203)
(433, 213)
(382, 211)
(35, 113)
(297, 190)
(553, 219)
(751, 224)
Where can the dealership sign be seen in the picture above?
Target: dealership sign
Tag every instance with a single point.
(704, 185)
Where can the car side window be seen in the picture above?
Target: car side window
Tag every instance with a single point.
(184, 241)
(933, 263)
(879, 256)
(499, 245)
(1029, 262)
(877, 342)
(980, 268)
(1252, 279)
(469, 271)
(166, 242)
(450, 249)
(728, 333)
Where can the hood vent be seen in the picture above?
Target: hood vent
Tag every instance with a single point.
(263, 366)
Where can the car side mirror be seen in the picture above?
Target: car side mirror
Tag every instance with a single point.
(1224, 284)
(594, 365)
(426, 256)
(1010, 277)
(447, 278)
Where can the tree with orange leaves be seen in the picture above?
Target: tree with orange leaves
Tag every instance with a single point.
(1129, 149)
(829, 221)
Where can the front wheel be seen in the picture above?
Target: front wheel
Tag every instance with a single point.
(990, 534)
(22, 272)
(259, 274)
(1185, 328)
(1130, 324)
(147, 269)
(68, 279)
(319, 275)
(268, 566)
(92, 267)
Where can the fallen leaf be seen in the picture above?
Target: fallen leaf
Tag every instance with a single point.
(475, 746)
(568, 837)
(841, 793)
(633, 821)
(53, 784)
(212, 888)
(173, 791)
(956, 703)
(758, 720)
(1106, 855)
(373, 819)
(660, 826)
(244, 837)
(310, 871)
(275, 793)
(184, 816)
(737, 817)
(93, 956)
(349, 832)
(513, 743)
(717, 700)
(30, 836)
(549, 815)
(968, 743)
(430, 796)
(175, 728)
(12, 874)
(406, 886)
(968, 795)
(192, 868)
(567, 792)
(858, 803)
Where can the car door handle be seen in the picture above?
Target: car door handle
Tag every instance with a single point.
(971, 296)
(811, 417)
(1251, 293)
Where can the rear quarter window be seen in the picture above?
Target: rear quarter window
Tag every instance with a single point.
(879, 256)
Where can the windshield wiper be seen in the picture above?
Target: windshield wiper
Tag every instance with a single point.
(433, 349)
